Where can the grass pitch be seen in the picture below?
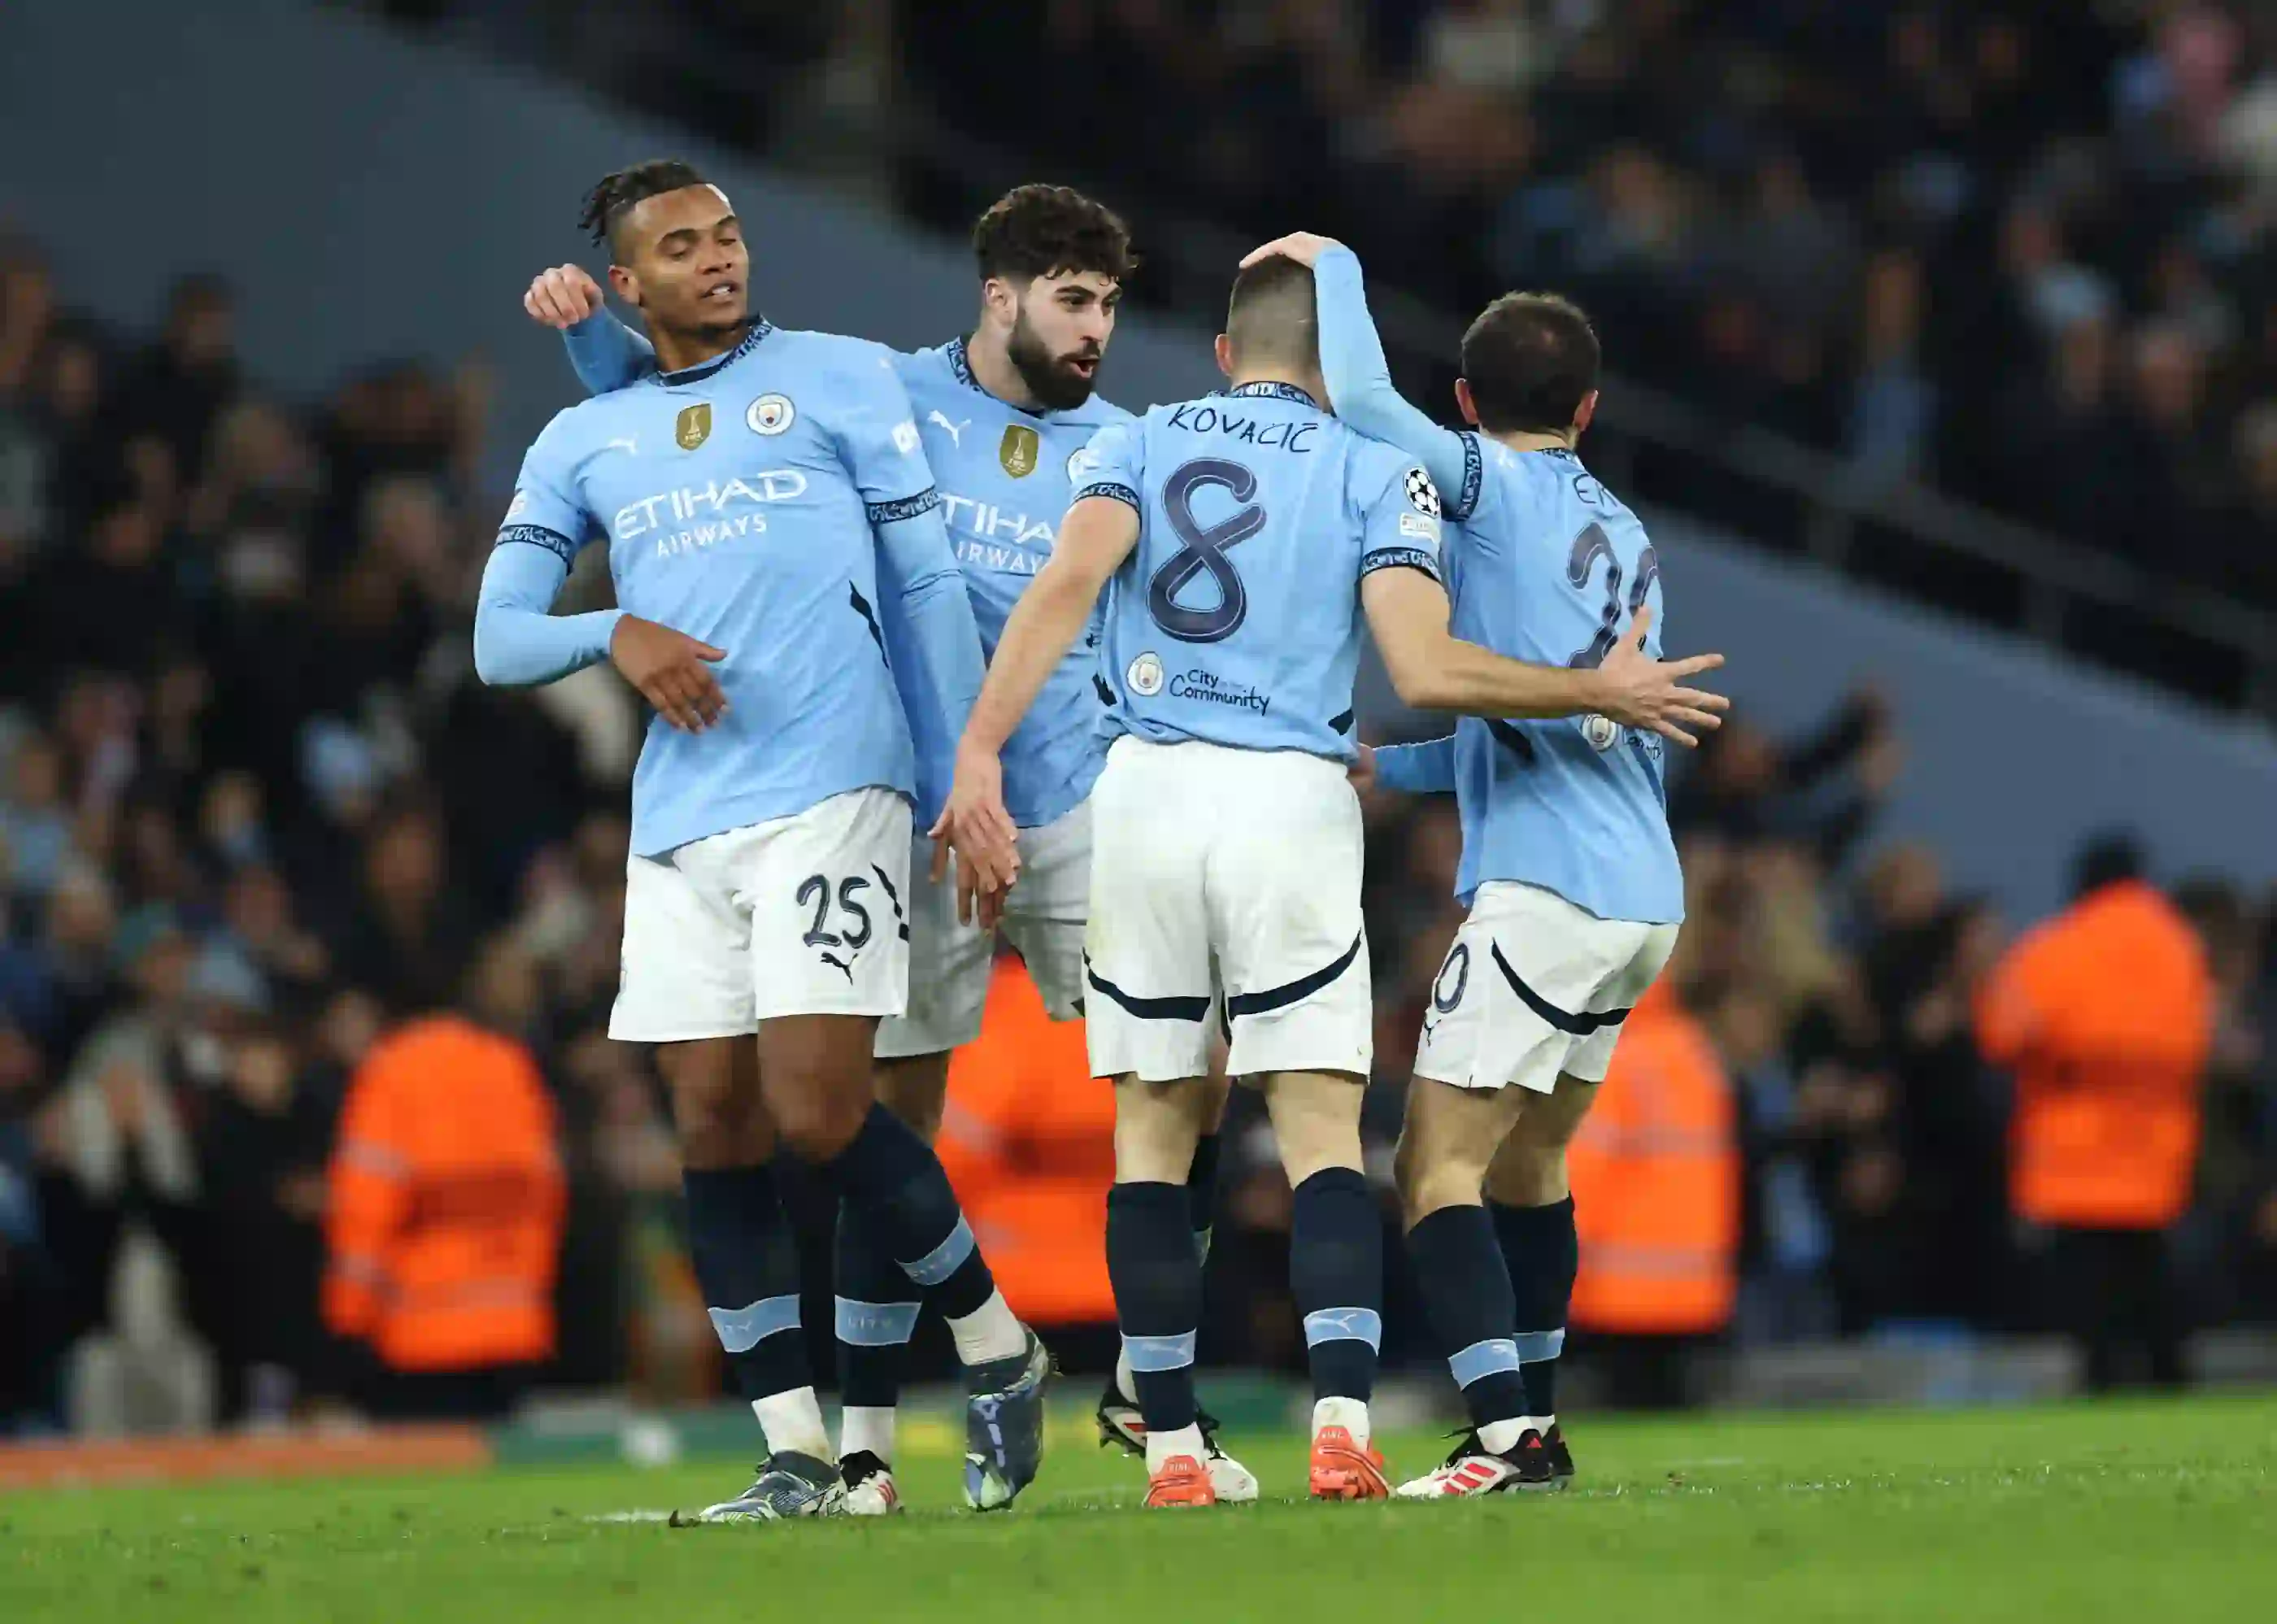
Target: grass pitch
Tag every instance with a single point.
(2167, 1510)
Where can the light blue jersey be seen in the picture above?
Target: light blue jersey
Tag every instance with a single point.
(1004, 487)
(763, 502)
(1003, 476)
(1545, 566)
(1236, 618)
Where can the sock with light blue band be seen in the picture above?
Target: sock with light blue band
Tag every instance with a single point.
(1458, 1271)
(1336, 1273)
(747, 1266)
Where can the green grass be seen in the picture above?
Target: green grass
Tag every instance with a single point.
(2155, 1512)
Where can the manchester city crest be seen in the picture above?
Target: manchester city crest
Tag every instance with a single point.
(771, 414)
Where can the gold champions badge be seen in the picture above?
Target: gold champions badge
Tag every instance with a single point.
(1020, 451)
(693, 427)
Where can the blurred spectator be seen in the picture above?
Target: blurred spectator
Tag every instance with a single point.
(444, 1220)
(261, 1145)
(2105, 1017)
(1657, 1178)
(1029, 1141)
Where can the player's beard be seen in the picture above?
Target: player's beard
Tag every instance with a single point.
(1056, 388)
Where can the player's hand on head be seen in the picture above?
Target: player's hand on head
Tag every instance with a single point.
(1306, 247)
(562, 297)
(672, 670)
(1644, 692)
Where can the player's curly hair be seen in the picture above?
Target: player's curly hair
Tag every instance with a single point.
(1041, 231)
(1530, 359)
(616, 196)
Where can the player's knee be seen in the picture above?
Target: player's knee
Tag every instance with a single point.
(917, 1091)
(1315, 1122)
(1431, 1176)
(714, 1110)
(1528, 1172)
(1156, 1127)
(816, 1124)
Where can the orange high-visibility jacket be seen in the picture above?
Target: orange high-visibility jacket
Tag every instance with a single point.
(1656, 1175)
(1029, 1141)
(2105, 1014)
(446, 1203)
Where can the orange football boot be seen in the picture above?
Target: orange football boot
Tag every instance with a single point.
(1180, 1481)
(1342, 1470)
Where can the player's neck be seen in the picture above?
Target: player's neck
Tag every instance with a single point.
(1529, 440)
(676, 352)
(992, 370)
(1241, 378)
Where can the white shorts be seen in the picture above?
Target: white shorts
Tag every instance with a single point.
(804, 915)
(949, 963)
(1535, 988)
(1233, 871)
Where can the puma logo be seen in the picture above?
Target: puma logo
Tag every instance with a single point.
(841, 965)
(630, 448)
(955, 429)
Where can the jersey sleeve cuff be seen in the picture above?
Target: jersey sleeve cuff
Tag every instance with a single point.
(1400, 557)
(907, 507)
(538, 535)
(1110, 489)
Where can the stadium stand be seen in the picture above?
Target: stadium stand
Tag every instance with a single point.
(255, 812)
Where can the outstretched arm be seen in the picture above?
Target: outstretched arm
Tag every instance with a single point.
(1359, 378)
(934, 639)
(607, 354)
(519, 641)
(1433, 669)
(1094, 539)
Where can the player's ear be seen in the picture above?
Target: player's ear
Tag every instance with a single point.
(1465, 404)
(1584, 414)
(1226, 354)
(1000, 300)
(626, 285)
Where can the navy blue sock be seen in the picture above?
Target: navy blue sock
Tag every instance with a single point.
(877, 1312)
(1458, 1268)
(1543, 1253)
(896, 1177)
(1336, 1273)
(747, 1263)
(1157, 1275)
(1201, 1192)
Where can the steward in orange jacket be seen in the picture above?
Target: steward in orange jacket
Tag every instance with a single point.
(1028, 1140)
(2105, 1014)
(446, 1203)
(1656, 1175)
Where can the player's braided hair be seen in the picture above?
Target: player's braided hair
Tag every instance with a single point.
(1530, 359)
(614, 196)
(1041, 231)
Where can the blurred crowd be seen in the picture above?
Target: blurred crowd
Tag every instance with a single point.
(256, 815)
(2023, 252)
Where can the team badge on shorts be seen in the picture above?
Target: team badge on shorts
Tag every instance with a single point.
(771, 414)
(1145, 675)
(693, 427)
(1020, 450)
